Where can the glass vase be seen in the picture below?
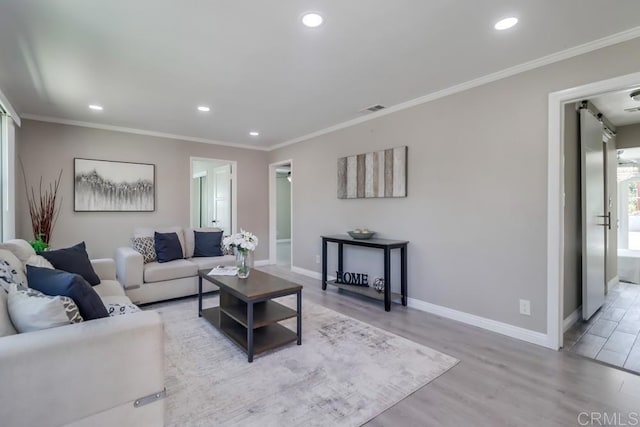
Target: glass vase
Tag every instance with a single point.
(243, 262)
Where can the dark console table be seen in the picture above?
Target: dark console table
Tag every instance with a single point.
(386, 246)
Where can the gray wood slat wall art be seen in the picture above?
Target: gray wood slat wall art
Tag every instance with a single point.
(376, 174)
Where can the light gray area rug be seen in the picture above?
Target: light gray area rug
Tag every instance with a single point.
(344, 373)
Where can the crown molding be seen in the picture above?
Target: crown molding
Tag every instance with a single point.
(4, 102)
(489, 78)
(139, 131)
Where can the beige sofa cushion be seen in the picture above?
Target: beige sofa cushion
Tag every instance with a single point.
(6, 327)
(109, 288)
(149, 232)
(177, 269)
(190, 240)
(21, 248)
(210, 262)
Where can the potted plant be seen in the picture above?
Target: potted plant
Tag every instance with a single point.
(43, 210)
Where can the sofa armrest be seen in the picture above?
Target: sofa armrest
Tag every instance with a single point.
(105, 268)
(60, 375)
(129, 267)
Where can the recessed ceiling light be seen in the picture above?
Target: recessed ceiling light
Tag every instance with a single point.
(312, 20)
(96, 107)
(506, 23)
(204, 108)
(254, 133)
(635, 95)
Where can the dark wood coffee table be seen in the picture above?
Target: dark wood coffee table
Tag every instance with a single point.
(247, 315)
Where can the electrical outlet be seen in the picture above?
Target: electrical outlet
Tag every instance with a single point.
(525, 307)
(317, 259)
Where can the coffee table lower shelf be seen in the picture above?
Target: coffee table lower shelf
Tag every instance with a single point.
(264, 338)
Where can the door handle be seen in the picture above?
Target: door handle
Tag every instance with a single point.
(607, 223)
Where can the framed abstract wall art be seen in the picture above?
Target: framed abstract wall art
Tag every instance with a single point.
(376, 174)
(109, 186)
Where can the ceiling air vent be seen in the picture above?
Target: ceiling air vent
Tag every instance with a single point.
(373, 108)
(632, 110)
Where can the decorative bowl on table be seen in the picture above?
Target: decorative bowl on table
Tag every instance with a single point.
(361, 234)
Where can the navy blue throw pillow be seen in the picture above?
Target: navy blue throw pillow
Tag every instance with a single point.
(57, 282)
(168, 247)
(207, 243)
(73, 260)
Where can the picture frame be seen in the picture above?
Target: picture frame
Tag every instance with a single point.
(113, 186)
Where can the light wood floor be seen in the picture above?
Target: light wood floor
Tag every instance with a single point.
(499, 381)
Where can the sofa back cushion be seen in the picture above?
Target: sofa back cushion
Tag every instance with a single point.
(6, 326)
(168, 247)
(57, 282)
(149, 232)
(20, 248)
(31, 310)
(73, 260)
(189, 238)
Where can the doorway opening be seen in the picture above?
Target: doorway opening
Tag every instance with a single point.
(281, 214)
(610, 335)
(213, 194)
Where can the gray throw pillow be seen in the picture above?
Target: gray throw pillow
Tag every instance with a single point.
(31, 310)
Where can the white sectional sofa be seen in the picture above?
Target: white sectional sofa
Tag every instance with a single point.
(83, 374)
(154, 281)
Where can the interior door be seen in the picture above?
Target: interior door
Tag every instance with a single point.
(222, 198)
(594, 218)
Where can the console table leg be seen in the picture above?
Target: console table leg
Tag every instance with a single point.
(299, 317)
(324, 264)
(403, 274)
(387, 279)
(199, 296)
(250, 332)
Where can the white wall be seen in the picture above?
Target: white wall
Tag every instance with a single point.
(477, 189)
(45, 148)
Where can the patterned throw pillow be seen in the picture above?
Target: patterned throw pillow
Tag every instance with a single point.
(224, 250)
(120, 309)
(10, 275)
(31, 310)
(146, 247)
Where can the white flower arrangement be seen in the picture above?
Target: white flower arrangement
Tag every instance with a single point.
(243, 241)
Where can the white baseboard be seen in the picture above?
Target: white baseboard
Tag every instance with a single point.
(517, 332)
(613, 282)
(261, 262)
(310, 273)
(527, 335)
(283, 240)
(571, 319)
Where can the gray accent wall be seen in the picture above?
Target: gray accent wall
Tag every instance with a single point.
(572, 212)
(283, 207)
(611, 157)
(476, 210)
(45, 148)
(628, 136)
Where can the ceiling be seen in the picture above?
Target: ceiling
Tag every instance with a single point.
(614, 104)
(150, 63)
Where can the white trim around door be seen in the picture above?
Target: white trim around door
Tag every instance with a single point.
(234, 188)
(273, 211)
(555, 195)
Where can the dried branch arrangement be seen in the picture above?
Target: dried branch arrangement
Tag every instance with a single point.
(43, 209)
